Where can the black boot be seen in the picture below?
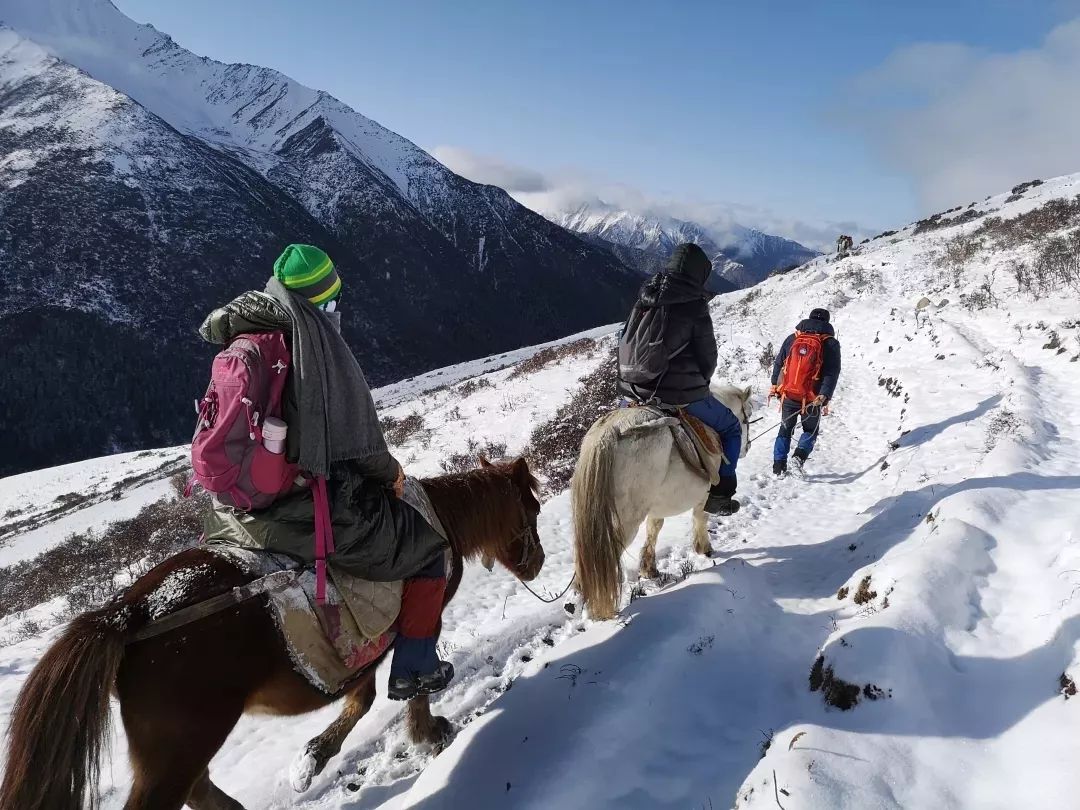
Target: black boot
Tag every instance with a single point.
(780, 467)
(402, 688)
(720, 504)
(438, 680)
(800, 457)
(407, 687)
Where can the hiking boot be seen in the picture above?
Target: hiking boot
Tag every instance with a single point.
(406, 688)
(721, 505)
(780, 467)
(800, 457)
(436, 681)
(402, 688)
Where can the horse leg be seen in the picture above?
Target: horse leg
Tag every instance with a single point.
(701, 533)
(647, 566)
(208, 796)
(424, 727)
(170, 752)
(320, 750)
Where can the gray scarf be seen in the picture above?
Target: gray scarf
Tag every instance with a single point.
(337, 414)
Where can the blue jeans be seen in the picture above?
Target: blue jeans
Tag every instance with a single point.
(719, 417)
(811, 424)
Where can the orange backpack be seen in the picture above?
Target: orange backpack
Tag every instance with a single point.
(802, 369)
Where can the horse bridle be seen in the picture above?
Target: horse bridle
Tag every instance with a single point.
(527, 534)
(744, 418)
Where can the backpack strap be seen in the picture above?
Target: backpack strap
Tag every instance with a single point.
(324, 537)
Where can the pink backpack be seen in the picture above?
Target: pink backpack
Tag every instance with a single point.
(227, 454)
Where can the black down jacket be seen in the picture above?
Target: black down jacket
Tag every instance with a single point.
(680, 287)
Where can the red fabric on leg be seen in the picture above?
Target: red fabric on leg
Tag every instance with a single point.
(421, 606)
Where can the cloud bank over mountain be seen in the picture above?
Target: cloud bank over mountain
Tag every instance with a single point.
(561, 191)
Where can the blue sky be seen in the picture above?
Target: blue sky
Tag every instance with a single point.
(801, 114)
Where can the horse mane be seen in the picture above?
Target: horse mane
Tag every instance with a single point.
(721, 390)
(501, 488)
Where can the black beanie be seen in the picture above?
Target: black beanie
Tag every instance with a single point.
(819, 314)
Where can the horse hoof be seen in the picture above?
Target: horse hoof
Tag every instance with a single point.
(302, 770)
(441, 733)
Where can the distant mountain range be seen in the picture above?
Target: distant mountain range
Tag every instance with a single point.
(141, 185)
(741, 256)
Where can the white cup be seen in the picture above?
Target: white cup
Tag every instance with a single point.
(274, 431)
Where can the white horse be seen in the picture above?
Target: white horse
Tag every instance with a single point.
(623, 479)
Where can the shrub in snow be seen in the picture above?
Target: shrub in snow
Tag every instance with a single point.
(553, 445)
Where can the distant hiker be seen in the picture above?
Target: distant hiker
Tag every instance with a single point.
(332, 435)
(670, 334)
(844, 245)
(804, 376)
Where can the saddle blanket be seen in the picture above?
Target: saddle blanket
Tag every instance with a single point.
(697, 443)
(330, 644)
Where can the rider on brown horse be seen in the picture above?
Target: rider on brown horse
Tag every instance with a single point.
(333, 431)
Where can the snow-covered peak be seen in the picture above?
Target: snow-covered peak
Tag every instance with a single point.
(235, 105)
(740, 254)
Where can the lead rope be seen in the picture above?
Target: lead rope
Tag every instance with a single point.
(554, 598)
(324, 538)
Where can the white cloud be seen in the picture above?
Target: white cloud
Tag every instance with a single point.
(567, 189)
(490, 171)
(965, 122)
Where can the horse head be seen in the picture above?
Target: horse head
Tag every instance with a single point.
(738, 401)
(522, 554)
(490, 513)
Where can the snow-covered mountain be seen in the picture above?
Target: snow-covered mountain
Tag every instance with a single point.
(895, 628)
(741, 256)
(141, 185)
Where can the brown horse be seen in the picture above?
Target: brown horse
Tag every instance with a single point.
(182, 693)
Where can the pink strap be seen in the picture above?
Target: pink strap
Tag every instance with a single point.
(324, 538)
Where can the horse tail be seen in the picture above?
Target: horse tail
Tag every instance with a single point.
(598, 534)
(61, 719)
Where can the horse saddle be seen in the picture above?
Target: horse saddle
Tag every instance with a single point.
(698, 444)
(330, 644)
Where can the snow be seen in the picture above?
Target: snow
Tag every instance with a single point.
(945, 473)
(39, 509)
(250, 110)
(730, 246)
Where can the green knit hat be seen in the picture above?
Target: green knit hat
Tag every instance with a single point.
(308, 271)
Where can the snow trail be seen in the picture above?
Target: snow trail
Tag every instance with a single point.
(929, 555)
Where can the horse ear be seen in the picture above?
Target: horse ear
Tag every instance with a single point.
(484, 462)
(746, 392)
(523, 477)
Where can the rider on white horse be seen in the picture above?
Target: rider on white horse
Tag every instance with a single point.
(667, 355)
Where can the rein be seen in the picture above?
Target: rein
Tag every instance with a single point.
(554, 598)
(526, 549)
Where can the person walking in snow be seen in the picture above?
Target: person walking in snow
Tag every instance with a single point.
(334, 432)
(804, 376)
(667, 355)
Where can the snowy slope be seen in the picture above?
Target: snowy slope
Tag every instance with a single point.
(945, 474)
(741, 256)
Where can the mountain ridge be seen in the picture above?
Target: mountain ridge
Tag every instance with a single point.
(741, 256)
(143, 185)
